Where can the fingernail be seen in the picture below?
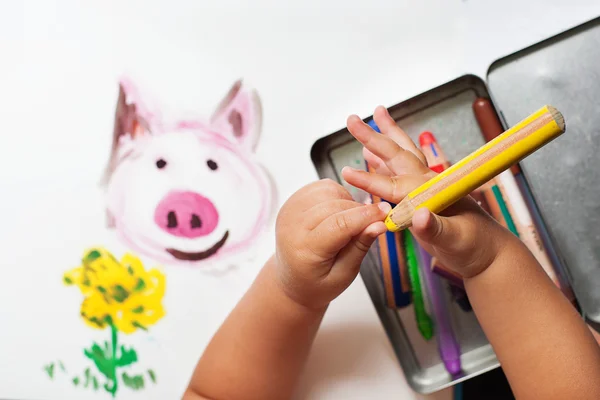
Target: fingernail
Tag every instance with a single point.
(348, 168)
(385, 207)
(384, 109)
(422, 219)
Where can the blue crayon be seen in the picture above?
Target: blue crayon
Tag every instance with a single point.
(393, 268)
(373, 125)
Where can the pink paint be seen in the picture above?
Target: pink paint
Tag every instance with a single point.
(186, 214)
(175, 188)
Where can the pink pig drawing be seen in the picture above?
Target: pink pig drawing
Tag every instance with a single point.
(188, 192)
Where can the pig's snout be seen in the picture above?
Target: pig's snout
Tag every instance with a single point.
(186, 214)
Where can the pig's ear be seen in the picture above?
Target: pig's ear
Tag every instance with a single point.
(128, 118)
(240, 115)
(129, 123)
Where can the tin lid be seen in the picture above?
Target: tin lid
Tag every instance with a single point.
(565, 178)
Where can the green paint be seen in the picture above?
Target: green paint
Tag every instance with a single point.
(113, 335)
(67, 280)
(424, 322)
(76, 381)
(141, 285)
(119, 293)
(138, 310)
(105, 359)
(135, 382)
(101, 289)
(505, 213)
(87, 377)
(50, 370)
(357, 162)
(62, 366)
(129, 269)
(91, 256)
(138, 325)
(127, 357)
(95, 383)
(102, 359)
(152, 376)
(93, 320)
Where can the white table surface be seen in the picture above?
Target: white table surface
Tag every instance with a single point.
(313, 63)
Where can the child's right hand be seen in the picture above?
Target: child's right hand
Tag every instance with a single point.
(322, 238)
(464, 237)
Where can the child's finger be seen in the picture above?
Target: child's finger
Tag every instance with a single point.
(388, 127)
(390, 188)
(461, 240)
(434, 229)
(397, 159)
(336, 231)
(375, 163)
(356, 250)
(323, 190)
(317, 213)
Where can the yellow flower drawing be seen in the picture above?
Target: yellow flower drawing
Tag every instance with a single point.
(124, 297)
(120, 294)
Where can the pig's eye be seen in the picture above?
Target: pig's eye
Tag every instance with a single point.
(160, 164)
(212, 165)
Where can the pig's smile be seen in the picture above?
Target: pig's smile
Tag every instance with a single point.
(185, 256)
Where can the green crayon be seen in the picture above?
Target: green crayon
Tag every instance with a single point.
(424, 322)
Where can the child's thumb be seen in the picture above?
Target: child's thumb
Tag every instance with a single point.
(434, 230)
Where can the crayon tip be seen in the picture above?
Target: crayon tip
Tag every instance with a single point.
(480, 102)
(426, 138)
(391, 225)
(453, 366)
(373, 125)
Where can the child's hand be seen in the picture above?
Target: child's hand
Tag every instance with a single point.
(322, 238)
(465, 238)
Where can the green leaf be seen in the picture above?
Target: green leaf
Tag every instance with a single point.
(76, 381)
(95, 383)
(127, 357)
(87, 377)
(135, 382)
(67, 280)
(62, 366)
(50, 370)
(102, 359)
(152, 376)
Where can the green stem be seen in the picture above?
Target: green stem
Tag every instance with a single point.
(114, 344)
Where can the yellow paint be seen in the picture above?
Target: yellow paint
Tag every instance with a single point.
(120, 293)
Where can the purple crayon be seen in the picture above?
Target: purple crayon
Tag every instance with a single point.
(448, 346)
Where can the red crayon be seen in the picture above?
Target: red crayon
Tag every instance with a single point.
(433, 153)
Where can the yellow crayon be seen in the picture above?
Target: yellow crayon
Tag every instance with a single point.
(479, 167)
